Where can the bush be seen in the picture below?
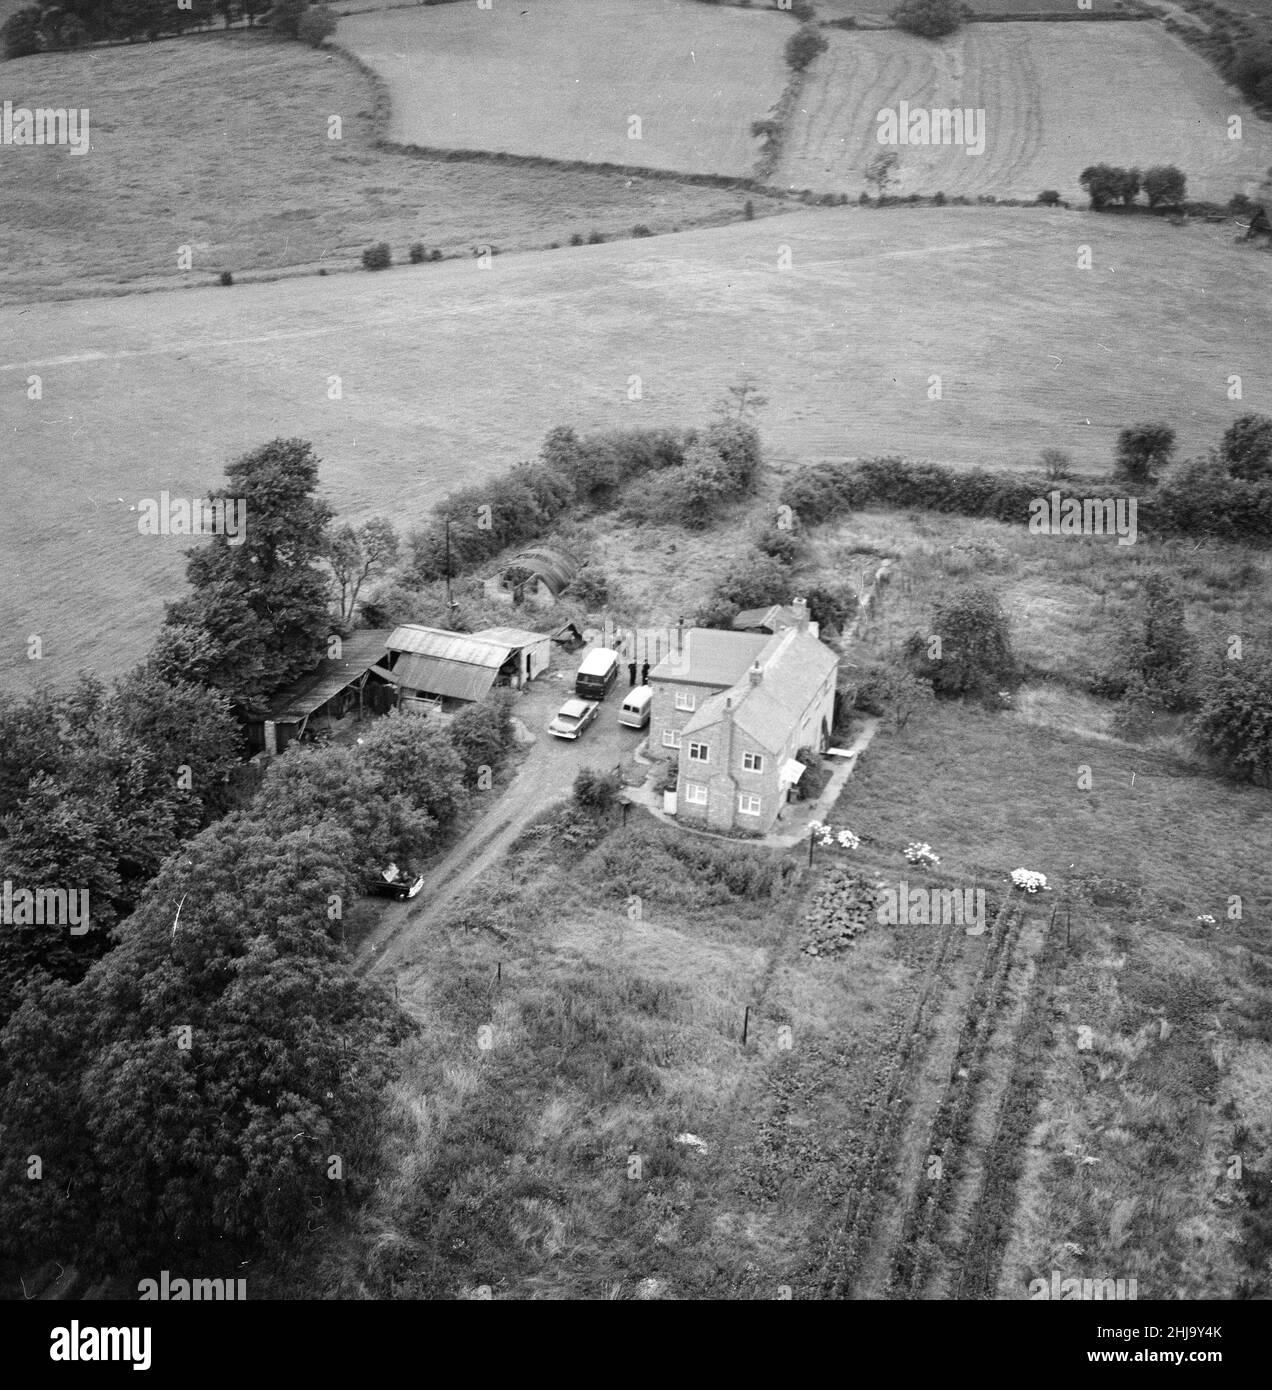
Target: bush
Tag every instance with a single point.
(1153, 665)
(435, 254)
(316, 25)
(816, 774)
(590, 587)
(1234, 726)
(748, 210)
(930, 19)
(20, 33)
(285, 17)
(804, 45)
(377, 257)
(227, 278)
(576, 240)
(417, 253)
(596, 792)
(1049, 197)
(641, 230)
(968, 651)
(595, 238)
(1057, 465)
(753, 581)
(482, 733)
(1142, 450)
(1164, 186)
(1246, 447)
(821, 492)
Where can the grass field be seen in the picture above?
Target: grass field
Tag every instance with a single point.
(448, 374)
(560, 79)
(255, 184)
(1056, 98)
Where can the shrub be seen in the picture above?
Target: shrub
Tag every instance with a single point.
(227, 278)
(316, 25)
(1246, 447)
(1164, 186)
(377, 257)
(930, 19)
(753, 581)
(894, 693)
(285, 17)
(435, 254)
(804, 45)
(767, 129)
(968, 651)
(1057, 464)
(576, 240)
(748, 210)
(843, 907)
(820, 492)
(417, 253)
(20, 33)
(783, 543)
(816, 774)
(596, 792)
(641, 230)
(591, 587)
(482, 733)
(938, 199)
(594, 238)
(1154, 654)
(1234, 726)
(1142, 450)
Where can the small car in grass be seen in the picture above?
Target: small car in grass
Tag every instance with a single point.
(395, 883)
(573, 717)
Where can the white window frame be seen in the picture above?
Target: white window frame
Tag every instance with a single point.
(752, 762)
(705, 753)
(691, 788)
(671, 738)
(686, 699)
(744, 806)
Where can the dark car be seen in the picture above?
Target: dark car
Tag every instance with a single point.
(394, 883)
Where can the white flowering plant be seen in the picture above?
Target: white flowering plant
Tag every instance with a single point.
(921, 853)
(1030, 881)
(1206, 920)
(825, 834)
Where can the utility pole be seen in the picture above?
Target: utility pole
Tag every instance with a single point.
(449, 604)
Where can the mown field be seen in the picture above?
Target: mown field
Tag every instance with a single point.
(255, 185)
(562, 80)
(1057, 97)
(446, 375)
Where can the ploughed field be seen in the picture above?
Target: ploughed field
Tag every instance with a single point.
(1056, 97)
(449, 373)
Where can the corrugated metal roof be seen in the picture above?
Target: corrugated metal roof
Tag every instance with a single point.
(554, 567)
(436, 675)
(512, 637)
(463, 647)
(711, 656)
(360, 651)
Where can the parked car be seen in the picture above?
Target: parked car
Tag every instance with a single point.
(573, 717)
(395, 883)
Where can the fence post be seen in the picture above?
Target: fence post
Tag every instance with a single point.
(746, 1021)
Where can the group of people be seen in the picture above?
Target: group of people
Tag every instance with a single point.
(644, 673)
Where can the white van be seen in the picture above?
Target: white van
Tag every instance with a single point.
(636, 707)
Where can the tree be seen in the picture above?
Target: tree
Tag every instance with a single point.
(804, 45)
(261, 604)
(354, 556)
(412, 756)
(1154, 650)
(482, 733)
(596, 792)
(881, 171)
(1164, 186)
(930, 19)
(743, 399)
(1057, 465)
(316, 25)
(1142, 450)
(1107, 183)
(1246, 447)
(830, 608)
(754, 581)
(284, 18)
(968, 651)
(1234, 725)
(21, 32)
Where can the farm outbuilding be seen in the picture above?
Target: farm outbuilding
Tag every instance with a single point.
(536, 576)
(354, 681)
(429, 663)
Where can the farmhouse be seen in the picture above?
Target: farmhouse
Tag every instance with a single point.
(354, 679)
(738, 707)
(429, 664)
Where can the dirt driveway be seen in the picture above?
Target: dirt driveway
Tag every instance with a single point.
(546, 775)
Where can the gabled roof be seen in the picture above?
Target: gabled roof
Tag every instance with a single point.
(514, 638)
(794, 667)
(359, 652)
(771, 619)
(465, 647)
(710, 656)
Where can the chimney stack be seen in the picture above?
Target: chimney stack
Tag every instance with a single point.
(756, 673)
(800, 605)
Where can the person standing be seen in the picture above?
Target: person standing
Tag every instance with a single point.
(644, 673)
(631, 674)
